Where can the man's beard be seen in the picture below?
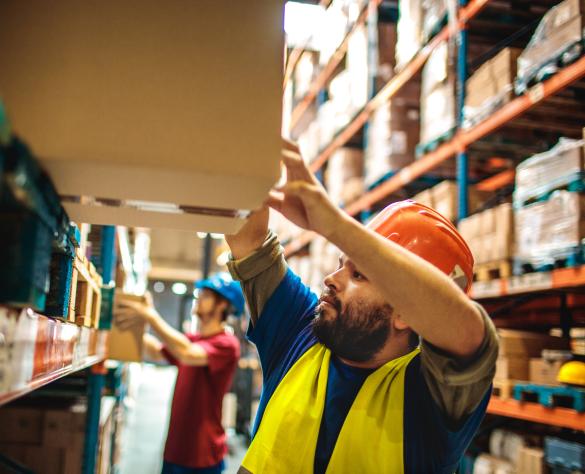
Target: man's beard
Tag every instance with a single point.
(356, 333)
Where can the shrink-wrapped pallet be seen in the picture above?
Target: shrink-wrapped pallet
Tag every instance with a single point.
(550, 230)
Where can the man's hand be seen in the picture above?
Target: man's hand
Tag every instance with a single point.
(302, 199)
(128, 314)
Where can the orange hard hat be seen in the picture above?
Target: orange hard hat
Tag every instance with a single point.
(429, 235)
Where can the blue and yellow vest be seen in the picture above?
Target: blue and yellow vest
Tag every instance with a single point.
(370, 441)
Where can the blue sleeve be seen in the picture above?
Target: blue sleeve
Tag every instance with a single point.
(430, 445)
(287, 312)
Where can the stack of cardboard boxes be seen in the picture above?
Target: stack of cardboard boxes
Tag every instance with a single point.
(47, 441)
(490, 234)
(437, 100)
(344, 175)
(550, 230)
(560, 30)
(517, 348)
(490, 87)
(443, 198)
(392, 134)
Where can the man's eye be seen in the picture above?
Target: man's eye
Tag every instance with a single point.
(358, 276)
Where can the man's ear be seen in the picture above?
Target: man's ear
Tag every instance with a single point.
(399, 323)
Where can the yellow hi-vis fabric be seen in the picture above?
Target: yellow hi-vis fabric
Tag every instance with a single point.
(370, 440)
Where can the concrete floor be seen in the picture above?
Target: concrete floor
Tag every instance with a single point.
(146, 427)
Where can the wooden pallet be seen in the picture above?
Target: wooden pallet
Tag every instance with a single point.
(551, 395)
(503, 388)
(86, 293)
(493, 270)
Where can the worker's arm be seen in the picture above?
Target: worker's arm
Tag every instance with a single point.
(175, 342)
(153, 349)
(421, 295)
(257, 261)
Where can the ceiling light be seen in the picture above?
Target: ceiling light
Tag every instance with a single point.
(179, 288)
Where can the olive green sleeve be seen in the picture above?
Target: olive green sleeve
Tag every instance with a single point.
(458, 387)
(260, 273)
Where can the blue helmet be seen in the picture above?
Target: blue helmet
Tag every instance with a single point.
(223, 284)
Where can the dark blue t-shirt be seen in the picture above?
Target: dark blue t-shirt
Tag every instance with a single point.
(283, 334)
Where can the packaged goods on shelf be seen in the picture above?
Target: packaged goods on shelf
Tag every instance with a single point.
(528, 344)
(437, 100)
(409, 31)
(344, 175)
(434, 15)
(488, 464)
(490, 234)
(545, 172)
(358, 68)
(329, 37)
(445, 199)
(490, 87)
(506, 445)
(512, 368)
(425, 198)
(544, 371)
(531, 461)
(392, 136)
(559, 33)
(44, 440)
(565, 454)
(550, 230)
(305, 71)
(385, 52)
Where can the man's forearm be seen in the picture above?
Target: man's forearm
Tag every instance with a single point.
(174, 341)
(425, 298)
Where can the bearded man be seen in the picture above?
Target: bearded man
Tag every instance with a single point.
(390, 370)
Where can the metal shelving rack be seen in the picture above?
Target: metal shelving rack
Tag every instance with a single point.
(561, 280)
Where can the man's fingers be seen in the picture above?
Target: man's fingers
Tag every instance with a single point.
(274, 200)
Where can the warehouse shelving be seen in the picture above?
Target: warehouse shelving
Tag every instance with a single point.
(59, 349)
(534, 412)
(327, 72)
(456, 145)
(531, 282)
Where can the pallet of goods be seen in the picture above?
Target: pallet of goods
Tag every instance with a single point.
(557, 42)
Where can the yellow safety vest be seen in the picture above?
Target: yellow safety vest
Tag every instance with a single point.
(371, 438)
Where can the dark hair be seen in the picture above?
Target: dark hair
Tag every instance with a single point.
(228, 310)
(413, 340)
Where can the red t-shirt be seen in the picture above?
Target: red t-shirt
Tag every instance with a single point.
(196, 437)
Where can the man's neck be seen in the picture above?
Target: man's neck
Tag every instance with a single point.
(392, 350)
(210, 328)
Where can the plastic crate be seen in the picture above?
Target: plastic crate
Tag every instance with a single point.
(25, 250)
(107, 307)
(565, 454)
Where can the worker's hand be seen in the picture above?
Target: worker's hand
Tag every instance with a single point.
(302, 199)
(130, 313)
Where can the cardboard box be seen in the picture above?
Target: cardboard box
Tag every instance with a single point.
(146, 110)
(512, 368)
(531, 461)
(425, 198)
(21, 425)
(528, 344)
(545, 372)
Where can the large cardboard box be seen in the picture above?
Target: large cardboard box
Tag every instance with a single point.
(528, 344)
(531, 461)
(127, 345)
(543, 371)
(512, 368)
(162, 106)
(21, 425)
